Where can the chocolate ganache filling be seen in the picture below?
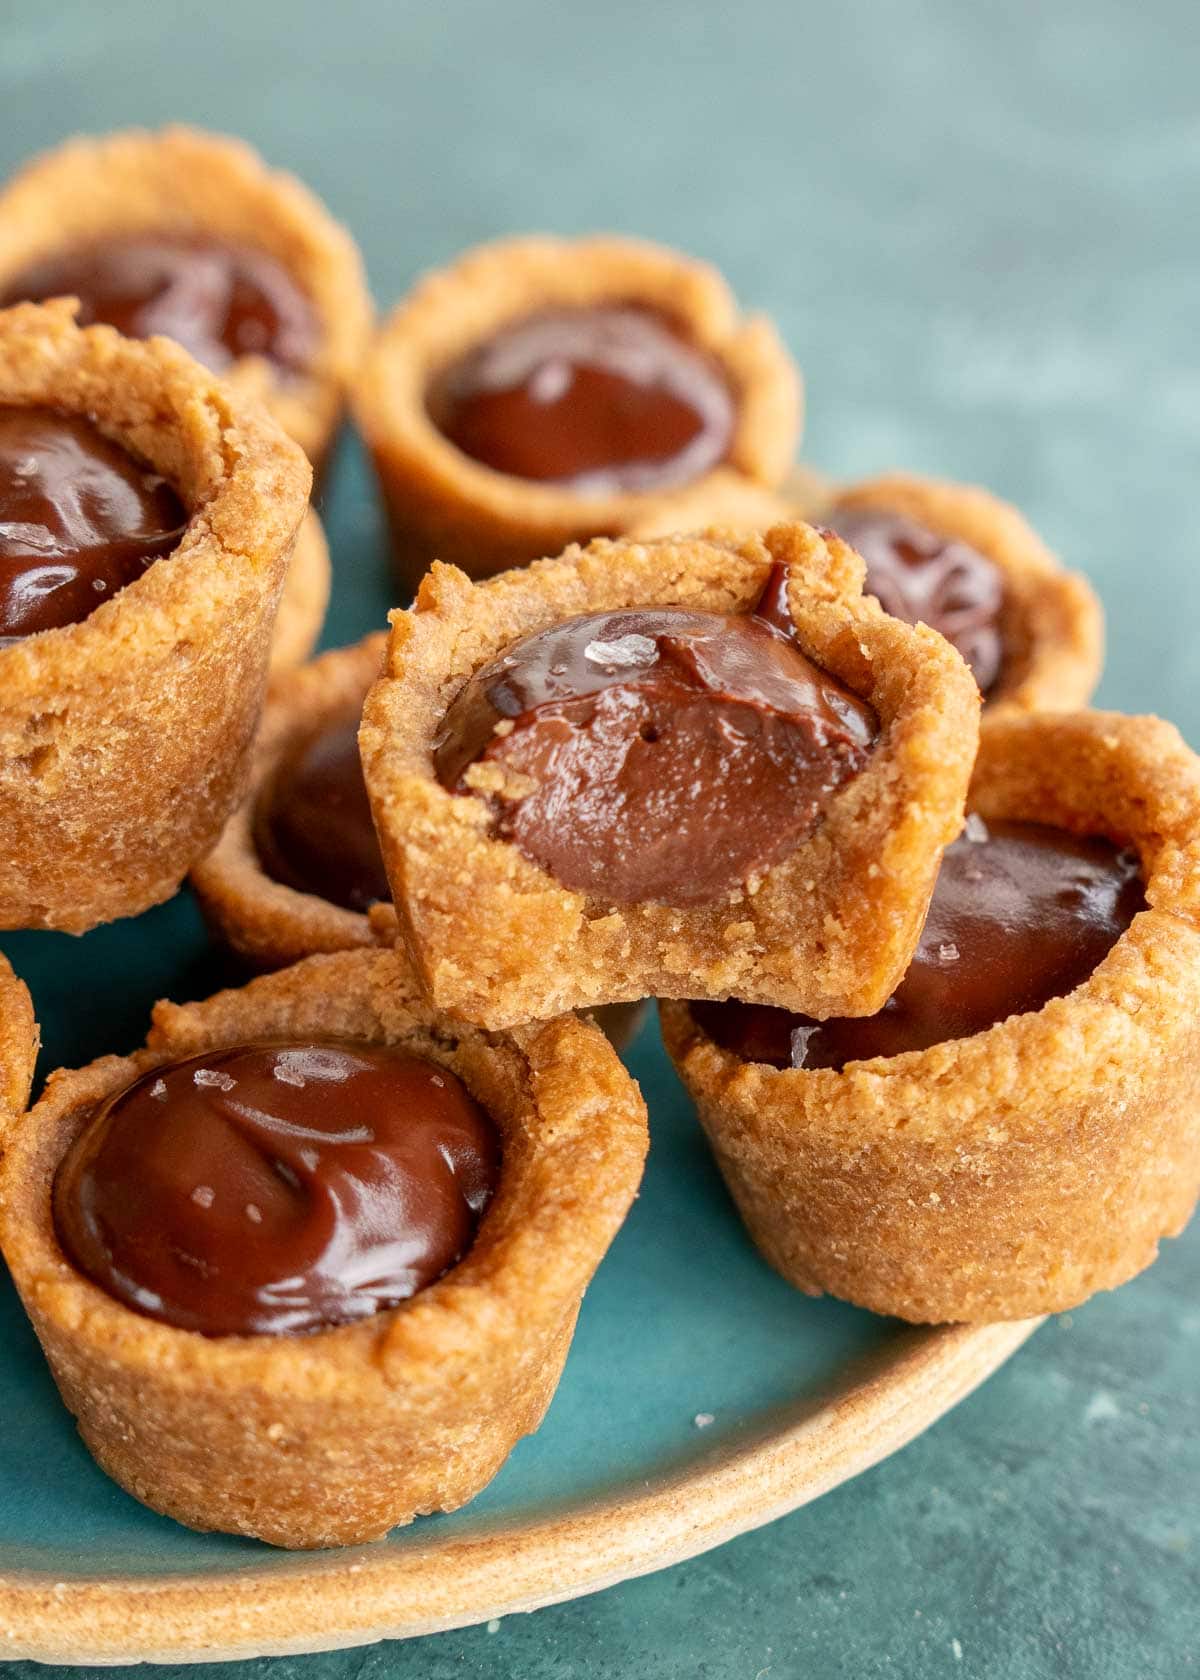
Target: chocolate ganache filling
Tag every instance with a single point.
(79, 519)
(272, 1189)
(219, 301)
(925, 578)
(656, 753)
(312, 825)
(599, 400)
(1021, 913)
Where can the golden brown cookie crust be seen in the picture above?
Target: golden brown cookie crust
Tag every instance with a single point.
(264, 921)
(305, 597)
(184, 180)
(124, 738)
(334, 1438)
(18, 1046)
(441, 504)
(1018, 1171)
(1052, 624)
(830, 929)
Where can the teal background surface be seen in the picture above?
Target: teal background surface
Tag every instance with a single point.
(978, 229)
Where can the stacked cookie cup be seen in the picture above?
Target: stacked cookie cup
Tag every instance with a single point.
(804, 762)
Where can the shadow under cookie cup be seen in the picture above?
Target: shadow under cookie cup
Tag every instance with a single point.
(124, 736)
(336, 1436)
(497, 940)
(1017, 1171)
(444, 505)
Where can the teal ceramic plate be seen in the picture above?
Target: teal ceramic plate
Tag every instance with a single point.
(702, 1395)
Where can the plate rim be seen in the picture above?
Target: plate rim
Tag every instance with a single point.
(335, 1600)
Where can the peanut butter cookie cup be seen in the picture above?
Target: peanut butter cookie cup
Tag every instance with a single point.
(189, 235)
(1019, 1127)
(689, 767)
(543, 391)
(147, 523)
(959, 559)
(271, 1320)
(18, 1046)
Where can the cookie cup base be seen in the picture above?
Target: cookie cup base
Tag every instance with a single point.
(1016, 1172)
(335, 1437)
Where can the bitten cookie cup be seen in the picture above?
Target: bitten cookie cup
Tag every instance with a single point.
(336, 1436)
(1017, 1171)
(1051, 623)
(18, 1046)
(124, 737)
(182, 182)
(496, 939)
(266, 922)
(442, 504)
(305, 597)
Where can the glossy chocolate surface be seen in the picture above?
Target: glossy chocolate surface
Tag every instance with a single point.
(655, 753)
(1021, 914)
(923, 577)
(219, 301)
(312, 824)
(599, 400)
(79, 519)
(275, 1189)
